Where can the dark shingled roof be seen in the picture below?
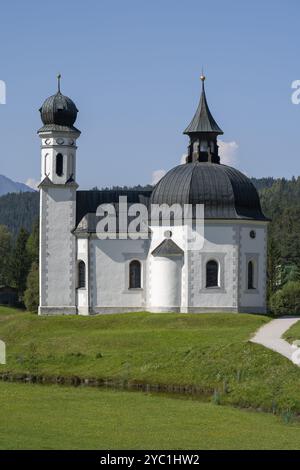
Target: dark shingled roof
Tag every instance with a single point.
(203, 120)
(225, 192)
(58, 112)
(88, 201)
(167, 248)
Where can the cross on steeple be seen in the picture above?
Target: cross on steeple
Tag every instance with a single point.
(58, 82)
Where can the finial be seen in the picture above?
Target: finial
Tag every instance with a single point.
(202, 77)
(58, 82)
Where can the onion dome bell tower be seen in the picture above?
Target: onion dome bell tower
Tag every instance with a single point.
(58, 135)
(203, 132)
(58, 205)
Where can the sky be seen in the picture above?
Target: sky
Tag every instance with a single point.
(133, 69)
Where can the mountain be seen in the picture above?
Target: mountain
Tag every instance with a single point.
(9, 186)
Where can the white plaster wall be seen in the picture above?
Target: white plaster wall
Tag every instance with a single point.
(57, 248)
(220, 245)
(109, 274)
(257, 247)
(64, 143)
(160, 286)
(166, 280)
(82, 294)
(158, 236)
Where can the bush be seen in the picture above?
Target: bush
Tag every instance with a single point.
(31, 295)
(286, 301)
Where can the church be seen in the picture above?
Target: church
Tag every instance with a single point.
(85, 271)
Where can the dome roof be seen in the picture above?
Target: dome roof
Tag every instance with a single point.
(58, 110)
(225, 192)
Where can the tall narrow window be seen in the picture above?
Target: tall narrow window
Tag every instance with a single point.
(59, 164)
(212, 274)
(250, 275)
(81, 274)
(135, 275)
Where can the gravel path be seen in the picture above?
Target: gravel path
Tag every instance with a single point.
(270, 336)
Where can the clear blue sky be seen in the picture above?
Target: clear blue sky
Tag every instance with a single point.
(133, 68)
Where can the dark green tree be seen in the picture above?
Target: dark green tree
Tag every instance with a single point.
(20, 263)
(286, 301)
(5, 254)
(31, 295)
(290, 272)
(273, 267)
(32, 245)
(19, 210)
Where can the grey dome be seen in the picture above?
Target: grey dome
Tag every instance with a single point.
(225, 192)
(59, 110)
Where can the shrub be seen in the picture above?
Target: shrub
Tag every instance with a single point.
(286, 301)
(216, 398)
(287, 416)
(31, 295)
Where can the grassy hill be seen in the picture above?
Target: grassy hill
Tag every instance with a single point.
(208, 353)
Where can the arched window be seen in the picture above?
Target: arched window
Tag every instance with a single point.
(251, 275)
(59, 164)
(81, 274)
(212, 274)
(135, 275)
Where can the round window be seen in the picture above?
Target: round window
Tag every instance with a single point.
(252, 234)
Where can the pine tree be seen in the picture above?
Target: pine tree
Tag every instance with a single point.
(20, 263)
(5, 254)
(32, 245)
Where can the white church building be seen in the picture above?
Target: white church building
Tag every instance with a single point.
(83, 271)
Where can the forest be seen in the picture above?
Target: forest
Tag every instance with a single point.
(19, 213)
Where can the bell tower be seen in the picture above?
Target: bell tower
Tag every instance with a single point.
(58, 136)
(58, 205)
(203, 132)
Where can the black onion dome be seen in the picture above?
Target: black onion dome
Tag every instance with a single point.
(58, 112)
(225, 192)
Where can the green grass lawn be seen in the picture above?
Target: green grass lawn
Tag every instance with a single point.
(293, 333)
(56, 417)
(209, 351)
